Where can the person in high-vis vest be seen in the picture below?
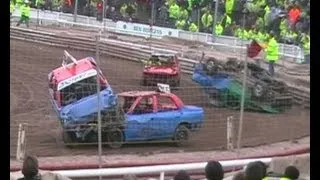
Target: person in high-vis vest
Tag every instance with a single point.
(260, 23)
(305, 41)
(181, 24)
(174, 11)
(260, 37)
(11, 7)
(237, 32)
(207, 21)
(40, 4)
(228, 20)
(193, 27)
(229, 4)
(290, 173)
(272, 52)
(244, 34)
(19, 3)
(25, 13)
(123, 10)
(183, 13)
(219, 29)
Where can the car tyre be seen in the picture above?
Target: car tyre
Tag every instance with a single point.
(68, 138)
(115, 138)
(259, 90)
(181, 136)
(143, 82)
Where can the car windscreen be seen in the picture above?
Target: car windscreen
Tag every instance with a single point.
(79, 90)
(163, 60)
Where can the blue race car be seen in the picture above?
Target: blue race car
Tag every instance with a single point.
(152, 115)
(221, 82)
(73, 93)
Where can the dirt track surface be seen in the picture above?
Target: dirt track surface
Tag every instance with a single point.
(29, 103)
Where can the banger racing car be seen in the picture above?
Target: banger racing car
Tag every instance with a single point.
(161, 68)
(223, 84)
(74, 96)
(152, 115)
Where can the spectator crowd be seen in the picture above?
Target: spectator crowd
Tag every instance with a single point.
(213, 171)
(268, 22)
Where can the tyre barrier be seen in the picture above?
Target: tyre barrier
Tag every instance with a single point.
(120, 49)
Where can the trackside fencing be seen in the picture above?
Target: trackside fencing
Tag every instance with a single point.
(226, 42)
(35, 53)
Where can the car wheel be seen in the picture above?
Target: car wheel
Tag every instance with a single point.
(68, 138)
(259, 90)
(211, 66)
(115, 138)
(181, 136)
(143, 82)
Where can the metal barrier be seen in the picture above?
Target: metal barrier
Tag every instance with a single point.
(160, 169)
(285, 50)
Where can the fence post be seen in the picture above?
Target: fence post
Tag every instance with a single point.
(98, 99)
(21, 146)
(230, 133)
(162, 175)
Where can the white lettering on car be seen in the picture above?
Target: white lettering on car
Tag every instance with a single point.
(76, 78)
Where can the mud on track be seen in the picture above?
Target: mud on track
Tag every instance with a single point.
(29, 103)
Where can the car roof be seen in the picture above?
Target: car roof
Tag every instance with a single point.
(137, 93)
(72, 69)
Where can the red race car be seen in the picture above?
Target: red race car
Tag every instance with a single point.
(161, 68)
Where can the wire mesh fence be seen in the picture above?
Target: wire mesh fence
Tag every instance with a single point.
(142, 120)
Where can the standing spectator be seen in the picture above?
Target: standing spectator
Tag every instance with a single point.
(25, 13)
(19, 3)
(294, 14)
(11, 8)
(181, 24)
(207, 21)
(214, 171)
(182, 175)
(174, 12)
(40, 4)
(272, 52)
(193, 27)
(163, 14)
(229, 7)
(218, 29)
(305, 41)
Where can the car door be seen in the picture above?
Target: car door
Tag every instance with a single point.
(166, 118)
(139, 120)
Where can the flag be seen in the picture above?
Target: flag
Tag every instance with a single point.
(253, 49)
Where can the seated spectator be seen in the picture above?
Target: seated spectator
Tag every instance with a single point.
(214, 171)
(129, 177)
(30, 171)
(255, 171)
(182, 175)
(239, 176)
(292, 173)
(30, 168)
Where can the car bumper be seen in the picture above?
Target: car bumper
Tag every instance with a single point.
(166, 79)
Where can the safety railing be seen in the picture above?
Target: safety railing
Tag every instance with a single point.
(159, 169)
